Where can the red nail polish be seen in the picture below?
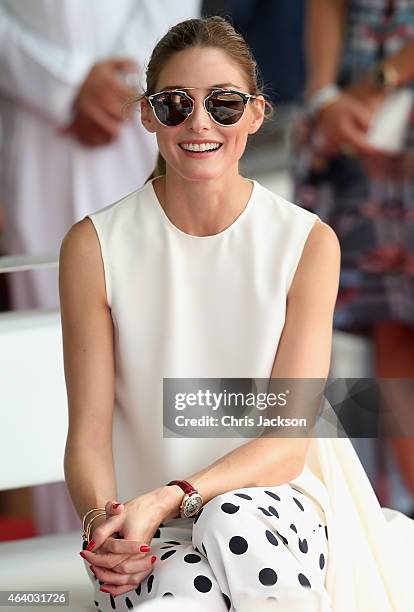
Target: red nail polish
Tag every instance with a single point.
(104, 590)
(145, 548)
(90, 546)
(153, 559)
(82, 554)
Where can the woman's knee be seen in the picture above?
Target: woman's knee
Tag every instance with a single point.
(217, 514)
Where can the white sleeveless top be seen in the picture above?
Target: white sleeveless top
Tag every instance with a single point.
(194, 307)
(214, 306)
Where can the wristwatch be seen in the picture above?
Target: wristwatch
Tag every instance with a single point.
(385, 77)
(192, 500)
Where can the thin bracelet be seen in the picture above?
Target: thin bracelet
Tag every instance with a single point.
(84, 527)
(87, 513)
(88, 531)
(90, 523)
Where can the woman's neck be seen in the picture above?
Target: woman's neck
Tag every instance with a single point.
(205, 207)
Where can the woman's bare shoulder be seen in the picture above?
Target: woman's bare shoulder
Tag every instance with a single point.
(81, 239)
(80, 260)
(320, 260)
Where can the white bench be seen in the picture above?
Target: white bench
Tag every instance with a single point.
(32, 440)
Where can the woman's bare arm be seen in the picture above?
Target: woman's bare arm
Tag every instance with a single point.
(323, 41)
(304, 352)
(89, 369)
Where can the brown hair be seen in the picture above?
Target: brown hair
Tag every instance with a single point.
(207, 32)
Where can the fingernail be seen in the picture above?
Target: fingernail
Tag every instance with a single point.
(145, 548)
(115, 505)
(82, 554)
(153, 559)
(104, 590)
(91, 545)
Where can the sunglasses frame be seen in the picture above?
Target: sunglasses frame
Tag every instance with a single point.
(245, 96)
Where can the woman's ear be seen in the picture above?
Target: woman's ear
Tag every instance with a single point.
(257, 116)
(147, 116)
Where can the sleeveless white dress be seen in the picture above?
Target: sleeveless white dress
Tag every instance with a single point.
(214, 307)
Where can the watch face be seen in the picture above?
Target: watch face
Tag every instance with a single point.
(192, 505)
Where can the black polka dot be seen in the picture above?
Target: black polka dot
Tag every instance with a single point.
(157, 534)
(293, 528)
(243, 496)
(326, 532)
(171, 542)
(267, 576)
(197, 516)
(164, 547)
(168, 594)
(321, 561)
(274, 495)
(274, 511)
(272, 538)
(284, 540)
(196, 549)
(138, 590)
(227, 601)
(304, 581)
(303, 545)
(229, 508)
(96, 603)
(204, 548)
(238, 545)
(295, 489)
(190, 558)
(299, 505)
(149, 583)
(129, 603)
(265, 512)
(202, 584)
(112, 600)
(167, 554)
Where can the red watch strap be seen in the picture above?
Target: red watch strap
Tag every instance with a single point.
(184, 485)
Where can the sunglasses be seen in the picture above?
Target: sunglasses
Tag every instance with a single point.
(225, 106)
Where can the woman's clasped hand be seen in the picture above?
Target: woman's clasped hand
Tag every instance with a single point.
(121, 563)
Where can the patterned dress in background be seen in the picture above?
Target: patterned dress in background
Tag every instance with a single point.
(370, 206)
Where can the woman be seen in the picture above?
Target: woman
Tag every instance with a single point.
(359, 52)
(201, 273)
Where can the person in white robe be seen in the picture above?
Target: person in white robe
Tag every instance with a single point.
(49, 177)
(66, 149)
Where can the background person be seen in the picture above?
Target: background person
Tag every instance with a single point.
(358, 53)
(66, 148)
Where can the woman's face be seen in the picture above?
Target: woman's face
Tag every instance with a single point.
(203, 68)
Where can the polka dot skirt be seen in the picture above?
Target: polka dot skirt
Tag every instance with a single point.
(256, 542)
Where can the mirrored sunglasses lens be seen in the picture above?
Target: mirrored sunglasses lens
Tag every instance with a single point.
(226, 108)
(172, 108)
